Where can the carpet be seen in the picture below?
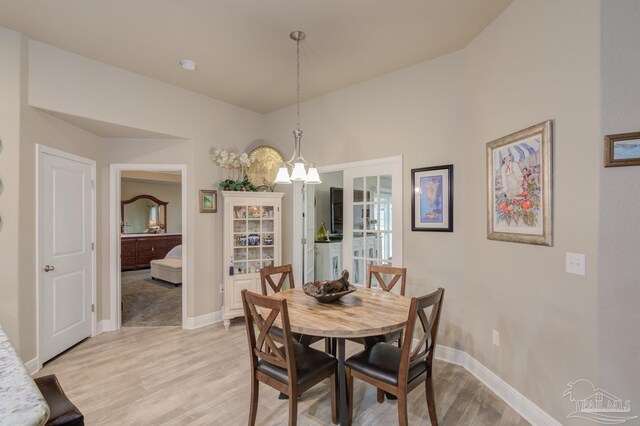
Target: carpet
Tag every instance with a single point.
(149, 303)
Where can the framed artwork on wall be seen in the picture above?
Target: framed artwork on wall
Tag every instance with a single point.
(432, 199)
(208, 201)
(622, 149)
(519, 186)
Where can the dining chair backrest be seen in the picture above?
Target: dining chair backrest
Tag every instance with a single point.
(264, 345)
(424, 349)
(267, 274)
(397, 274)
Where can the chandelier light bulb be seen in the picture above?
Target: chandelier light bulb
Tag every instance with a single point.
(313, 178)
(283, 175)
(298, 174)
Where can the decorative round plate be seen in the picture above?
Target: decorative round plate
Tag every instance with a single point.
(265, 167)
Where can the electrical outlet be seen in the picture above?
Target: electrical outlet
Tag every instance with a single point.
(496, 338)
(221, 288)
(575, 263)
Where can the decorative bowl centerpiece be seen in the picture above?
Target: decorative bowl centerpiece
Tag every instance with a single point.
(329, 291)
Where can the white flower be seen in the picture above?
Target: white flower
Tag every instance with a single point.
(245, 160)
(231, 159)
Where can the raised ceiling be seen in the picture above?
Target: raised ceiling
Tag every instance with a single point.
(242, 47)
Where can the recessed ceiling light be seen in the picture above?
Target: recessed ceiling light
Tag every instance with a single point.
(188, 64)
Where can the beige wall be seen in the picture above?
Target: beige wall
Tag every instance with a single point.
(538, 60)
(10, 87)
(164, 191)
(619, 244)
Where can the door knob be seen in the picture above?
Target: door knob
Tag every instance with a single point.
(49, 268)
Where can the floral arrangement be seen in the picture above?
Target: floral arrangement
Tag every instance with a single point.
(231, 160)
(236, 165)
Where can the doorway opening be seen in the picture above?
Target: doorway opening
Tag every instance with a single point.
(150, 248)
(328, 225)
(360, 206)
(148, 242)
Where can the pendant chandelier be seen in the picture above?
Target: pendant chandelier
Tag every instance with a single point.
(297, 164)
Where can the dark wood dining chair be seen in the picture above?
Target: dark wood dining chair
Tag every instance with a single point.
(267, 275)
(282, 363)
(400, 370)
(284, 275)
(395, 275)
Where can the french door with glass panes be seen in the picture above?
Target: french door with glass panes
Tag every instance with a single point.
(372, 218)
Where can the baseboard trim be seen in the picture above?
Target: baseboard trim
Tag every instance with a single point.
(521, 404)
(104, 325)
(32, 366)
(203, 320)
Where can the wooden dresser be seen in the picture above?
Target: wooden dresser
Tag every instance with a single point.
(138, 250)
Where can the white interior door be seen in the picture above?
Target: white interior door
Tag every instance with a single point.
(372, 218)
(309, 223)
(66, 216)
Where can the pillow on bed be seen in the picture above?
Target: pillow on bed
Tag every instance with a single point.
(175, 253)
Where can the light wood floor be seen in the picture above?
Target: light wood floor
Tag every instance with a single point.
(170, 376)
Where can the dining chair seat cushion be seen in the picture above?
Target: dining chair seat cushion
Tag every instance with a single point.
(382, 362)
(310, 363)
(307, 340)
(372, 340)
(382, 338)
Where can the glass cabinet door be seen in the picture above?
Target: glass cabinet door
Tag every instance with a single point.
(253, 238)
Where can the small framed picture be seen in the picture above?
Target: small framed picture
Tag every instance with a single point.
(622, 149)
(208, 201)
(432, 199)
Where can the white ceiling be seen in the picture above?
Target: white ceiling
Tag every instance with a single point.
(242, 47)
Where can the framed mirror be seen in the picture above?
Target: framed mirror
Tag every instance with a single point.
(143, 214)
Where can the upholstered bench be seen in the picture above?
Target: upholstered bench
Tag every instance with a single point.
(170, 268)
(62, 411)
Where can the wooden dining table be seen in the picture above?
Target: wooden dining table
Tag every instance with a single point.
(365, 312)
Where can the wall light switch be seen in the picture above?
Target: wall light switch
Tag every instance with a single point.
(496, 338)
(576, 264)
